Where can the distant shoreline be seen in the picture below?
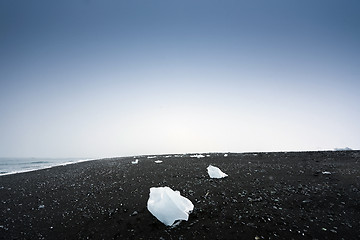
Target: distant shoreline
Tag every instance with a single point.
(22, 165)
(67, 161)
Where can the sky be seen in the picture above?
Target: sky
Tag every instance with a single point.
(93, 78)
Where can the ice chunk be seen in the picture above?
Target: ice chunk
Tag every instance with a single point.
(168, 205)
(135, 162)
(158, 161)
(151, 157)
(215, 172)
(326, 173)
(225, 155)
(197, 156)
(343, 149)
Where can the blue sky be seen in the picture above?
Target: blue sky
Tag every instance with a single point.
(114, 78)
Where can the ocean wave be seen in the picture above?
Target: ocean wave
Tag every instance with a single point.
(23, 166)
(38, 162)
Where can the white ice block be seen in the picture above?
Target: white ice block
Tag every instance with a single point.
(168, 205)
(215, 172)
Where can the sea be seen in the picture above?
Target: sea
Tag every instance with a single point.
(19, 165)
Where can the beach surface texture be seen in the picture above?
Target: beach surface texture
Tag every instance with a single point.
(294, 195)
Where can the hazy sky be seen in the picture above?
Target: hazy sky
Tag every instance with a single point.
(114, 78)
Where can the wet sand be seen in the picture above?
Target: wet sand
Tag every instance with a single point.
(295, 195)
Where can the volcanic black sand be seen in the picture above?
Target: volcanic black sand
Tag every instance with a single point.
(303, 195)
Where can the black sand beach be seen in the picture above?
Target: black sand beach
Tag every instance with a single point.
(303, 195)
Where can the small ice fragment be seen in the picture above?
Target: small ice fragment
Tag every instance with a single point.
(151, 157)
(215, 172)
(158, 161)
(342, 149)
(168, 205)
(197, 156)
(326, 173)
(134, 213)
(135, 162)
(208, 155)
(225, 155)
(41, 206)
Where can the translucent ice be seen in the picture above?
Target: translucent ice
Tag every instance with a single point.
(168, 205)
(215, 172)
(342, 149)
(135, 162)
